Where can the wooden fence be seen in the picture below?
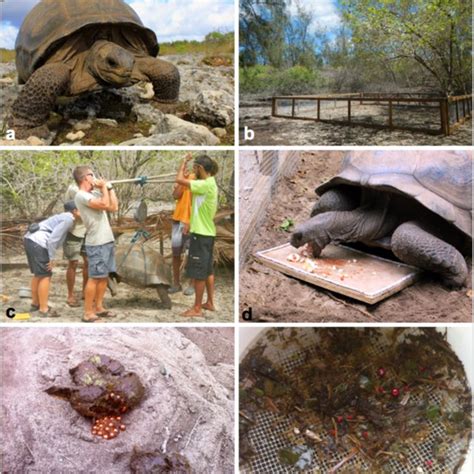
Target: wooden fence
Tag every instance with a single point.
(452, 111)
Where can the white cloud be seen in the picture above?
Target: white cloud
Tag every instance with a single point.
(8, 35)
(325, 12)
(185, 19)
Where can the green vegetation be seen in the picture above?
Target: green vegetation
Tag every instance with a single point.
(33, 183)
(378, 46)
(214, 43)
(295, 80)
(6, 55)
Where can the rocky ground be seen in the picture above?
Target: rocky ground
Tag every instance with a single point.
(204, 114)
(255, 113)
(275, 297)
(188, 406)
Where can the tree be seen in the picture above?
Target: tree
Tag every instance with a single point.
(435, 34)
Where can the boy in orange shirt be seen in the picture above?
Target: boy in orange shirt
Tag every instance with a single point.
(180, 232)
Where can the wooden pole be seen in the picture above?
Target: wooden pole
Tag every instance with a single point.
(349, 110)
(390, 117)
(293, 108)
(441, 113)
(273, 106)
(457, 112)
(319, 110)
(463, 108)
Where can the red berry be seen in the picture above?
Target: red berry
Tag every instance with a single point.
(380, 390)
(349, 417)
(339, 419)
(365, 434)
(381, 372)
(395, 392)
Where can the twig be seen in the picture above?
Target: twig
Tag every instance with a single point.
(29, 450)
(341, 463)
(191, 432)
(349, 305)
(165, 441)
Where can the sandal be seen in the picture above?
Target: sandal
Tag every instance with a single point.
(92, 320)
(106, 314)
(35, 307)
(73, 305)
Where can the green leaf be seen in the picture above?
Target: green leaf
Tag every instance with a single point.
(286, 224)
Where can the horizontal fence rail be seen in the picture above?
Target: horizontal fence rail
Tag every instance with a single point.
(446, 113)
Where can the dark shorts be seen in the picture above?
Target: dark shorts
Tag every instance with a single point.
(38, 258)
(201, 258)
(179, 241)
(73, 247)
(101, 260)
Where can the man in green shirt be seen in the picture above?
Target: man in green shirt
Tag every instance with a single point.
(202, 229)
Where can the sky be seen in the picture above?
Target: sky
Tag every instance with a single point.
(170, 19)
(325, 12)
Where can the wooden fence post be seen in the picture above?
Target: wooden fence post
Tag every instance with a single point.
(292, 108)
(349, 109)
(457, 111)
(273, 106)
(390, 121)
(319, 110)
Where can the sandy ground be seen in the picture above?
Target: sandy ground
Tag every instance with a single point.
(194, 402)
(278, 131)
(137, 305)
(275, 297)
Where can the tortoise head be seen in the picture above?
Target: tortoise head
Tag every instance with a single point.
(110, 63)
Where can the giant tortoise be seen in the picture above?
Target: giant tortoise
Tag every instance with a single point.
(140, 265)
(418, 204)
(67, 47)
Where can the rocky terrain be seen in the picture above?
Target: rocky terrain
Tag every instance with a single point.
(204, 114)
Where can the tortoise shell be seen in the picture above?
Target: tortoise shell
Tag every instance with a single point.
(440, 181)
(50, 22)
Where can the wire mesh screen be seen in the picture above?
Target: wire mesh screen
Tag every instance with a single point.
(272, 431)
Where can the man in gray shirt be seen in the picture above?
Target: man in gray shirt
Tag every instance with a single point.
(41, 244)
(99, 241)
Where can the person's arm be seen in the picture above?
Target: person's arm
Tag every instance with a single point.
(181, 178)
(178, 191)
(113, 200)
(107, 202)
(57, 237)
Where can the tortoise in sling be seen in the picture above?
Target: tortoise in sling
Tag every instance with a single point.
(418, 204)
(68, 47)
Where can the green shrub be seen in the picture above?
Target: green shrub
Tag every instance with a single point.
(265, 79)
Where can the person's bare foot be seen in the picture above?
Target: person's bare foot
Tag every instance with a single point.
(209, 306)
(193, 312)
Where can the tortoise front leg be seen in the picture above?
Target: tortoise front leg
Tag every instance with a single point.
(164, 297)
(416, 246)
(31, 109)
(163, 75)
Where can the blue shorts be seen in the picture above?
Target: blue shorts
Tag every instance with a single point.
(101, 260)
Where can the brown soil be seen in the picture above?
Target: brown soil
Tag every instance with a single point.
(275, 297)
(137, 305)
(188, 400)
